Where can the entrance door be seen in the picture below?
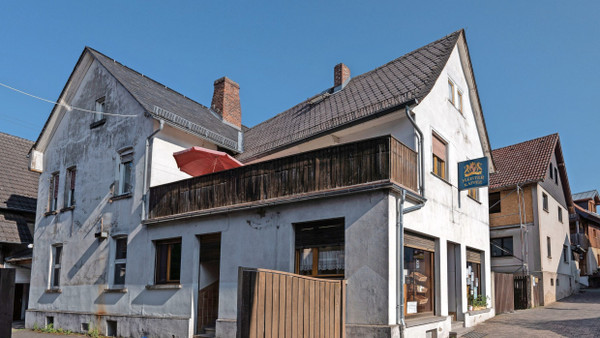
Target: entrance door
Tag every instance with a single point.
(454, 301)
(208, 282)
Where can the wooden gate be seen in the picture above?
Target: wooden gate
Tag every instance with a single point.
(504, 292)
(281, 304)
(521, 287)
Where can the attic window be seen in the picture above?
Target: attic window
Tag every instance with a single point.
(555, 175)
(450, 91)
(100, 105)
(551, 169)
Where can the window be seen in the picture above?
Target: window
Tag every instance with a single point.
(320, 248)
(120, 260)
(555, 175)
(549, 247)
(545, 201)
(168, 261)
(124, 184)
(419, 280)
(551, 168)
(53, 192)
(56, 259)
(474, 193)
(451, 91)
(473, 275)
(560, 214)
(100, 106)
(495, 204)
(501, 247)
(439, 157)
(565, 254)
(460, 100)
(70, 187)
(551, 281)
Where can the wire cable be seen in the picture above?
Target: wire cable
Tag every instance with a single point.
(69, 108)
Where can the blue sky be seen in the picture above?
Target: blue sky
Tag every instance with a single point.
(537, 63)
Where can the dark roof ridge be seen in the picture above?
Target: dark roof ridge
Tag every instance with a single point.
(532, 140)
(584, 192)
(147, 77)
(17, 137)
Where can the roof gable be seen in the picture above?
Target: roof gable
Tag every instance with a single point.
(397, 83)
(587, 195)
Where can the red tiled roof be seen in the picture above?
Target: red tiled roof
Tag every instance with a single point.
(524, 162)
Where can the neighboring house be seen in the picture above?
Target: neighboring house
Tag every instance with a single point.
(585, 231)
(18, 192)
(530, 201)
(325, 188)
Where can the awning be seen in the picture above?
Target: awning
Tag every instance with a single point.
(198, 161)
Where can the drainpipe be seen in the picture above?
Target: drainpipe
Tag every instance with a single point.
(421, 150)
(145, 189)
(400, 211)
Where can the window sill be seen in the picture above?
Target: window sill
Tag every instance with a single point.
(546, 210)
(48, 213)
(426, 318)
(163, 286)
(116, 289)
(441, 178)
(67, 208)
(121, 197)
(473, 199)
(53, 290)
(97, 123)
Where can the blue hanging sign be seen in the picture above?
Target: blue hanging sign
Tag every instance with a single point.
(473, 173)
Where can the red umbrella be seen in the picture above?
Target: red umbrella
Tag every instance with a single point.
(198, 161)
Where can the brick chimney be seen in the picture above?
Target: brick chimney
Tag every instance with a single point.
(341, 74)
(226, 101)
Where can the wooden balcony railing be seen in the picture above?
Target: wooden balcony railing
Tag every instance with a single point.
(378, 160)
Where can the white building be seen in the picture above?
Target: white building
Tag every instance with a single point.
(326, 186)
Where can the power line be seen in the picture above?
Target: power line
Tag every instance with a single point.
(69, 108)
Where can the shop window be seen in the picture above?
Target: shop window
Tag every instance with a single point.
(495, 203)
(439, 157)
(320, 248)
(168, 261)
(501, 247)
(473, 275)
(419, 270)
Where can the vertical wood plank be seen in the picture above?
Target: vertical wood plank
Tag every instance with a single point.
(268, 303)
(260, 308)
(306, 309)
(294, 308)
(282, 305)
(301, 307)
(321, 309)
(326, 310)
(288, 301)
(275, 321)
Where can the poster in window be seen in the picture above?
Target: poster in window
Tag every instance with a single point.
(411, 307)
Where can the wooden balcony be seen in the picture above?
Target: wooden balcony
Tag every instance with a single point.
(352, 165)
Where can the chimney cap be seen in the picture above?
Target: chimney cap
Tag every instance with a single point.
(228, 80)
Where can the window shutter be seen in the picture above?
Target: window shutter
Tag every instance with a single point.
(419, 242)
(473, 256)
(320, 234)
(439, 148)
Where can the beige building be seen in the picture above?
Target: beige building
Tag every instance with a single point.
(530, 200)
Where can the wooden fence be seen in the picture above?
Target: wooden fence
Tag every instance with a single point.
(280, 304)
(504, 288)
(378, 160)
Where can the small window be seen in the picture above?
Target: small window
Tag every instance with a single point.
(451, 91)
(168, 261)
(53, 192)
(566, 254)
(545, 201)
(124, 184)
(555, 176)
(549, 246)
(501, 247)
(439, 157)
(551, 281)
(560, 219)
(320, 248)
(120, 260)
(70, 187)
(557, 281)
(111, 328)
(474, 193)
(56, 259)
(459, 102)
(551, 169)
(495, 204)
(100, 106)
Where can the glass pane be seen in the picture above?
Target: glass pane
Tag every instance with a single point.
(306, 261)
(508, 246)
(121, 248)
(418, 271)
(161, 263)
(127, 166)
(175, 262)
(331, 260)
(120, 274)
(56, 277)
(57, 254)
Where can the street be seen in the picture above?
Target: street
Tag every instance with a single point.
(574, 316)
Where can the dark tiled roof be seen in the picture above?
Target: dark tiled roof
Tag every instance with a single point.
(398, 82)
(522, 163)
(14, 229)
(151, 94)
(590, 215)
(586, 195)
(18, 185)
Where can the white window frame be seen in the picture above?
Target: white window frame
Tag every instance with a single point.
(126, 159)
(100, 108)
(70, 186)
(54, 266)
(117, 261)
